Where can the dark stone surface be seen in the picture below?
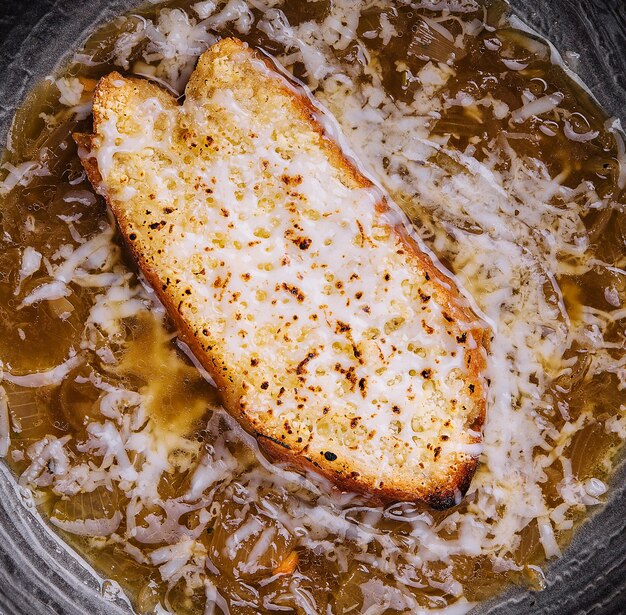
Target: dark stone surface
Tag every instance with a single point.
(589, 579)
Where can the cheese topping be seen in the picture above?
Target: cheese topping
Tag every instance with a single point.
(364, 331)
(512, 227)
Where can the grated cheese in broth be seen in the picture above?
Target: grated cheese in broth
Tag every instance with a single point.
(31, 261)
(509, 227)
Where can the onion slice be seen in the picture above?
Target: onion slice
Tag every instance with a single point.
(89, 527)
(580, 137)
(51, 377)
(5, 434)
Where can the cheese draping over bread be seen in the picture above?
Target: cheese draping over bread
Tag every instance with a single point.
(328, 330)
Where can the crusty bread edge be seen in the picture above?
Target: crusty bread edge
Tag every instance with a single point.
(442, 493)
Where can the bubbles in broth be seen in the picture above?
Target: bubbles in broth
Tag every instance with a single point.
(509, 172)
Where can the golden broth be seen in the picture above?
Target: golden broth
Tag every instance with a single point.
(139, 353)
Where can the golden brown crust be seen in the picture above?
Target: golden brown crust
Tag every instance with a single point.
(455, 303)
(442, 494)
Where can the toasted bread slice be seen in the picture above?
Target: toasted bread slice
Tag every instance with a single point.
(331, 335)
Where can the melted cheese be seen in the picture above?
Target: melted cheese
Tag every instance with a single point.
(264, 273)
(506, 262)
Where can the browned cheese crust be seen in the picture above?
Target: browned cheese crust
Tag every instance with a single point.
(445, 484)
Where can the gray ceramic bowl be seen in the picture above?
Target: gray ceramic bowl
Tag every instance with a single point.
(38, 576)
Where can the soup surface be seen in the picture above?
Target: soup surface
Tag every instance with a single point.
(508, 171)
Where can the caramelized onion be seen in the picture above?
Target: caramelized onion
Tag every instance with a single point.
(580, 137)
(89, 527)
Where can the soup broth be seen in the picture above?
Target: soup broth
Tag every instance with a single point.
(509, 172)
